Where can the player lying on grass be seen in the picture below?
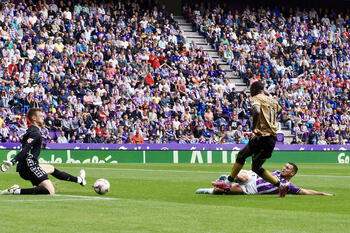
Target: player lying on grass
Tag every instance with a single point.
(265, 110)
(28, 166)
(250, 183)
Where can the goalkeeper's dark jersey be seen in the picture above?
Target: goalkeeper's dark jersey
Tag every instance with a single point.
(31, 147)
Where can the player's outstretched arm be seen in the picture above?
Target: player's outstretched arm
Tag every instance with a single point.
(31, 141)
(27, 147)
(313, 192)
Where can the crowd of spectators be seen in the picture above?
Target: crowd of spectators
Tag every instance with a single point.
(123, 72)
(112, 72)
(302, 55)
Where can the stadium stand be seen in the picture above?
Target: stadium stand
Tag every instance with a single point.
(302, 55)
(124, 72)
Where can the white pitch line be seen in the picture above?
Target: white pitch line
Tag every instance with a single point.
(55, 200)
(193, 171)
(69, 198)
(86, 197)
(326, 176)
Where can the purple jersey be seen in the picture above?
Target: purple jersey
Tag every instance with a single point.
(265, 187)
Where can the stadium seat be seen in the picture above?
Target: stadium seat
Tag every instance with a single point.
(280, 138)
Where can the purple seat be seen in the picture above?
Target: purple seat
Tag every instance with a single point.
(280, 138)
(52, 134)
(293, 132)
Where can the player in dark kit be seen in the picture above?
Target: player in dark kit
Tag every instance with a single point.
(28, 166)
(264, 109)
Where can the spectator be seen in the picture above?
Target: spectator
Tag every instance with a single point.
(62, 138)
(245, 140)
(322, 141)
(137, 138)
(14, 138)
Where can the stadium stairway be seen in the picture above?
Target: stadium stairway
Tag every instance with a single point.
(200, 41)
(190, 35)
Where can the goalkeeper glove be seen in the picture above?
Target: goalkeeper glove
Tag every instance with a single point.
(6, 165)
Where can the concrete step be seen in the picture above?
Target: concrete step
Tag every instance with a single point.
(193, 37)
(207, 47)
(194, 34)
(208, 50)
(186, 28)
(202, 43)
(226, 67)
(199, 41)
(181, 21)
(232, 75)
(240, 84)
(213, 54)
(236, 80)
(239, 89)
(288, 137)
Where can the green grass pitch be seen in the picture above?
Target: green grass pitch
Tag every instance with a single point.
(160, 198)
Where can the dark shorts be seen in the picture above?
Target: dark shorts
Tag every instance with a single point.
(29, 170)
(262, 147)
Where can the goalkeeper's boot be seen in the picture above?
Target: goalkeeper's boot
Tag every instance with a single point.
(9, 190)
(82, 176)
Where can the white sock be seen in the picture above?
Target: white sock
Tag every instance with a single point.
(79, 180)
(227, 182)
(211, 191)
(17, 192)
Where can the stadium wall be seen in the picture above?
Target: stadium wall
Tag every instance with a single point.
(176, 156)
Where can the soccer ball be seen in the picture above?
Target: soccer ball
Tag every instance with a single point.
(101, 186)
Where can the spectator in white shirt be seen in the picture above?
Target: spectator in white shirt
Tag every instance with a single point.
(62, 138)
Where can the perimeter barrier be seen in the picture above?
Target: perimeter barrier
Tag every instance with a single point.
(177, 153)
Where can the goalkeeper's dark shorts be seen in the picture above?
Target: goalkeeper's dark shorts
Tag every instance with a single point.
(30, 170)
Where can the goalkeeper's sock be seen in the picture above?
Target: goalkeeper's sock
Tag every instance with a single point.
(31, 191)
(235, 170)
(65, 176)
